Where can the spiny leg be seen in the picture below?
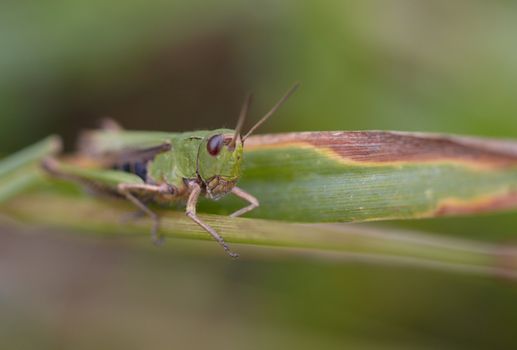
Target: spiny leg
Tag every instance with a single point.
(195, 191)
(125, 189)
(253, 202)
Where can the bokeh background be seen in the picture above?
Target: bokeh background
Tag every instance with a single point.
(441, 66)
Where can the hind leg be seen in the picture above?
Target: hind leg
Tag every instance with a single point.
(112, 182)
(128, 190)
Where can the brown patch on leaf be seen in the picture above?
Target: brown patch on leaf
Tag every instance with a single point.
(388, 147)
(483, 204)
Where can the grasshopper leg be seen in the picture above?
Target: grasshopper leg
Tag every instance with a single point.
(126, 189)
(100, 181)
(195, 191)
(253, 202)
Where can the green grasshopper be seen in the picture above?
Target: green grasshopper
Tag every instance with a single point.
(157, 167)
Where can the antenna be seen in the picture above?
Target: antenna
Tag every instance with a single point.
(273, 110)
(240, 121)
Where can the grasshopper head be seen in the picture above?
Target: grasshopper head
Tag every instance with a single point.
(219, 162)
(220, 153)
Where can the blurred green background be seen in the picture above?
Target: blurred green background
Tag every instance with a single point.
(441, 66)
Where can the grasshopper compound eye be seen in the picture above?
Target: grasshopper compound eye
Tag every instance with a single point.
(215, 144)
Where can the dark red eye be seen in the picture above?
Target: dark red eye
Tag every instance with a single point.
(214, 145)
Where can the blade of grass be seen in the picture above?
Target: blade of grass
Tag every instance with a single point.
(343, 176)
(338, 241)
(31, 154)
(21, 170)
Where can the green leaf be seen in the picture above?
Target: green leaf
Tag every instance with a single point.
(365, 176)
(22, 169)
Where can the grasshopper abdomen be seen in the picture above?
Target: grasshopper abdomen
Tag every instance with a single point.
(138, 168)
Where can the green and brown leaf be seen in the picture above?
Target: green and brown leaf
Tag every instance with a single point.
(375, 175)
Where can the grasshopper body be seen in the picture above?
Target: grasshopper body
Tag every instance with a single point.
(162, 167)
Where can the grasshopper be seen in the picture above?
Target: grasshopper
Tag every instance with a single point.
(162, 168)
